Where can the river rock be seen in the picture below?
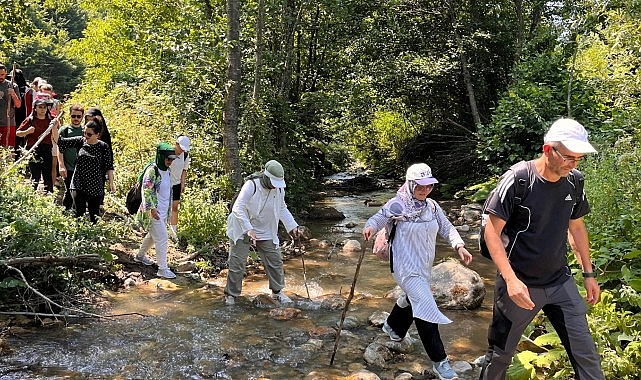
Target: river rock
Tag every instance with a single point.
(471, 213)
(349, 323)
(363, 374)
(331, 301)
(324, 213)
(457, 287)
(264, 301)
(186, 266)
(454, 286)
(352, 246)
(377, 354)
(285, 313)
(378, 318)
(322, 332)
(405, 346)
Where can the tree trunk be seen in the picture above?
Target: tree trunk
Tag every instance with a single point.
(259, 50)
(467, 78)
(230, 113)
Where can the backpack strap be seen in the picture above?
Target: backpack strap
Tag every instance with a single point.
(577, 179)
(521, 181)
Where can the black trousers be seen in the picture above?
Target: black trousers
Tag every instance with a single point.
(400, 320)
(67, 200)
(40, 166)
(83, 201)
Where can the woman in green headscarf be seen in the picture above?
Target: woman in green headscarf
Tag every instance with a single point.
(155, 208)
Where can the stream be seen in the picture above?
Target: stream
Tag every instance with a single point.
(185, 330)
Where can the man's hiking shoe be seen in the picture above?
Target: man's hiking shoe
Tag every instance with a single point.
(444, 370)
(165, 273)
(281, 297)
(230, 300)
(392, 334)
(144, 259)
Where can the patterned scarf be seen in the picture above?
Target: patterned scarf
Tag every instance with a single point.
(404, 206)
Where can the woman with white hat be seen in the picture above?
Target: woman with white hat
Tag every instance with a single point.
(416, 220)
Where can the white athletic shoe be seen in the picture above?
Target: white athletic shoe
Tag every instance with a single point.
(281, 297)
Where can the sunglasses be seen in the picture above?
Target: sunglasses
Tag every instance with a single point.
(87, 134)
(76, 116)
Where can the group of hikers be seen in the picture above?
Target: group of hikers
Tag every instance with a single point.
(526, 234)
(527, 239)
(81, 152)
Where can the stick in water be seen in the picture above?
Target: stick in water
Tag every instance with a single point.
(349, 299)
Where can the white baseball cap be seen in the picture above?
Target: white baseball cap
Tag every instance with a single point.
(421, 174)
(571, 134)
(184, 143)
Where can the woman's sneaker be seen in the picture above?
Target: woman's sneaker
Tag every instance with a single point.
(230, 300)
(392, 334)
(144, 259)
(444, 370)
(165, 273)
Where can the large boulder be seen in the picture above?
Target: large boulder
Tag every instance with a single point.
(456, 286)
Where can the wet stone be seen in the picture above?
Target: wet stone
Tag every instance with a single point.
(332, 302)
(285, 314)
(363, 374)
(377, 354)
(349, 323)
(378, 318)
(264, 301)
(406, 346)
(351, 246)
(323, 332)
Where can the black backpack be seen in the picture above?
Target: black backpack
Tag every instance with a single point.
(134, 195)
(522, 182)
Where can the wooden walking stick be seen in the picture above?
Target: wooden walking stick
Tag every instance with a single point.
(349, 299)
(42, 136)
(302, 258)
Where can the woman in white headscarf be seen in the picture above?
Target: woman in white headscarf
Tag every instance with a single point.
(416, 220)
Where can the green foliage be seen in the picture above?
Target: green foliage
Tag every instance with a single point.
(31, 225)
(382, 141)
(614, 184)
(41, 228)
(203, 220)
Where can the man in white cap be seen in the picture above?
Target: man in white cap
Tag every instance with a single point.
(178, 170)
(533, 271)
(254, 218)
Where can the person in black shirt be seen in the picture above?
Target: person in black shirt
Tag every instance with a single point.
(94, 161)
(528, 244)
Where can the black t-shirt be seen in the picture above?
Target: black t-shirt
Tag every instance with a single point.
(537, 228)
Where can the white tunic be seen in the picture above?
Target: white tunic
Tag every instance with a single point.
(413, 250)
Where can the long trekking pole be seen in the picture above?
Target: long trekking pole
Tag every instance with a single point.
(302, 258)
(42, 136)
(349, 299)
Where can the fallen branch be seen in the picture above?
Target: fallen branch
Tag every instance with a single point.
(51, 260)
(65, 316)
(51, 302)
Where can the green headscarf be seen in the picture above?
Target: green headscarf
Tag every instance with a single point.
(164, 150)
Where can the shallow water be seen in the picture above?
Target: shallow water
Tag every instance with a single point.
(187, 332)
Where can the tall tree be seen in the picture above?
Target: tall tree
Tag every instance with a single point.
(230, 114)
